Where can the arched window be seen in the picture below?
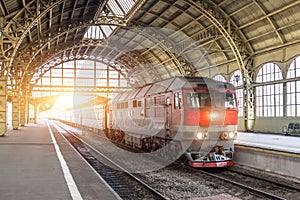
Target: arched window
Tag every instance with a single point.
(293, 89)
(237, 80)
(86, 75)
(269, 97)
(219, 77)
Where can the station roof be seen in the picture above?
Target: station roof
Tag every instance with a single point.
(147, 40)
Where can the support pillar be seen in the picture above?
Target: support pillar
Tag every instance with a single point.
(15, 109)
(3, 89)
(23, 110)
(35, 112)
(27, 109)
(249, 97)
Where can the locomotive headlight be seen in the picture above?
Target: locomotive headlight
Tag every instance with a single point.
(214, 116)
(231, 135)
(200, 135)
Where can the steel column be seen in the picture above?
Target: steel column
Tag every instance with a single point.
(3, 89)
(35, 112)
(15, 109)
(249, 96)
(27, 108)
(23, 110)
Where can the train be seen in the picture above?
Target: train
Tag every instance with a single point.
(191, 119)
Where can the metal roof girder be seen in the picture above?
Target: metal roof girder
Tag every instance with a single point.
(221, 25)
(43, 11)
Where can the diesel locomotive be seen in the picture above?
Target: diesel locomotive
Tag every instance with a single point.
(191, 118)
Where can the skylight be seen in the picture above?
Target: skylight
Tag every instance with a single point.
(113, 8)
(120, 8)
(99, 32)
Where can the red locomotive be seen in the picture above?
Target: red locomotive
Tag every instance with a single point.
(194, 117)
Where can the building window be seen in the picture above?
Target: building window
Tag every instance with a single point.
(237, 80)
(219, 77)
(269, 97)
(293, 89)
(84, 74)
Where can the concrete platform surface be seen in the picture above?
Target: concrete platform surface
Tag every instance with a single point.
(269, 141)
(30, 168)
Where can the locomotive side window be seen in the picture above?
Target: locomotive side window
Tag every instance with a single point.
(159, 112)
(197, 99)
(160, 100)
(148, 104)
(226, 100)
(134, 103)
(177, 100)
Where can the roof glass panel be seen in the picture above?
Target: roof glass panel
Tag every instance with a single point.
(127, 5)
(121, 7)
(94, 32)
(107, 30)
(99, 32)
(115, 8)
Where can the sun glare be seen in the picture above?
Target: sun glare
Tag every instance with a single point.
(63, 102)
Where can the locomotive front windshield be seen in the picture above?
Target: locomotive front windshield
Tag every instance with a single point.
(226, 100)
(220, 99)
(197, 99)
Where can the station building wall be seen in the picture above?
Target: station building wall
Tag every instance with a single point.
(285, 69)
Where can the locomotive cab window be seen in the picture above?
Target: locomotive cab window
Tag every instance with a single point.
(197, 99)
(226, 100)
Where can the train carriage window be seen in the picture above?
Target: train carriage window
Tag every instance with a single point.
(134, 103)
(148, 104)
(177, 100)
(160, 100)
(158, 107)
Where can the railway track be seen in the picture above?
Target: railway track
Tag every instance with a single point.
(262, 188)
(124, 183)
(250, 187)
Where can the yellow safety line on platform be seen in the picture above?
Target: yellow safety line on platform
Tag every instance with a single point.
(295, 155)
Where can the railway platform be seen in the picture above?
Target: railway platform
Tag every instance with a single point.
(276, 142)
(32, 167)
(271, 153)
